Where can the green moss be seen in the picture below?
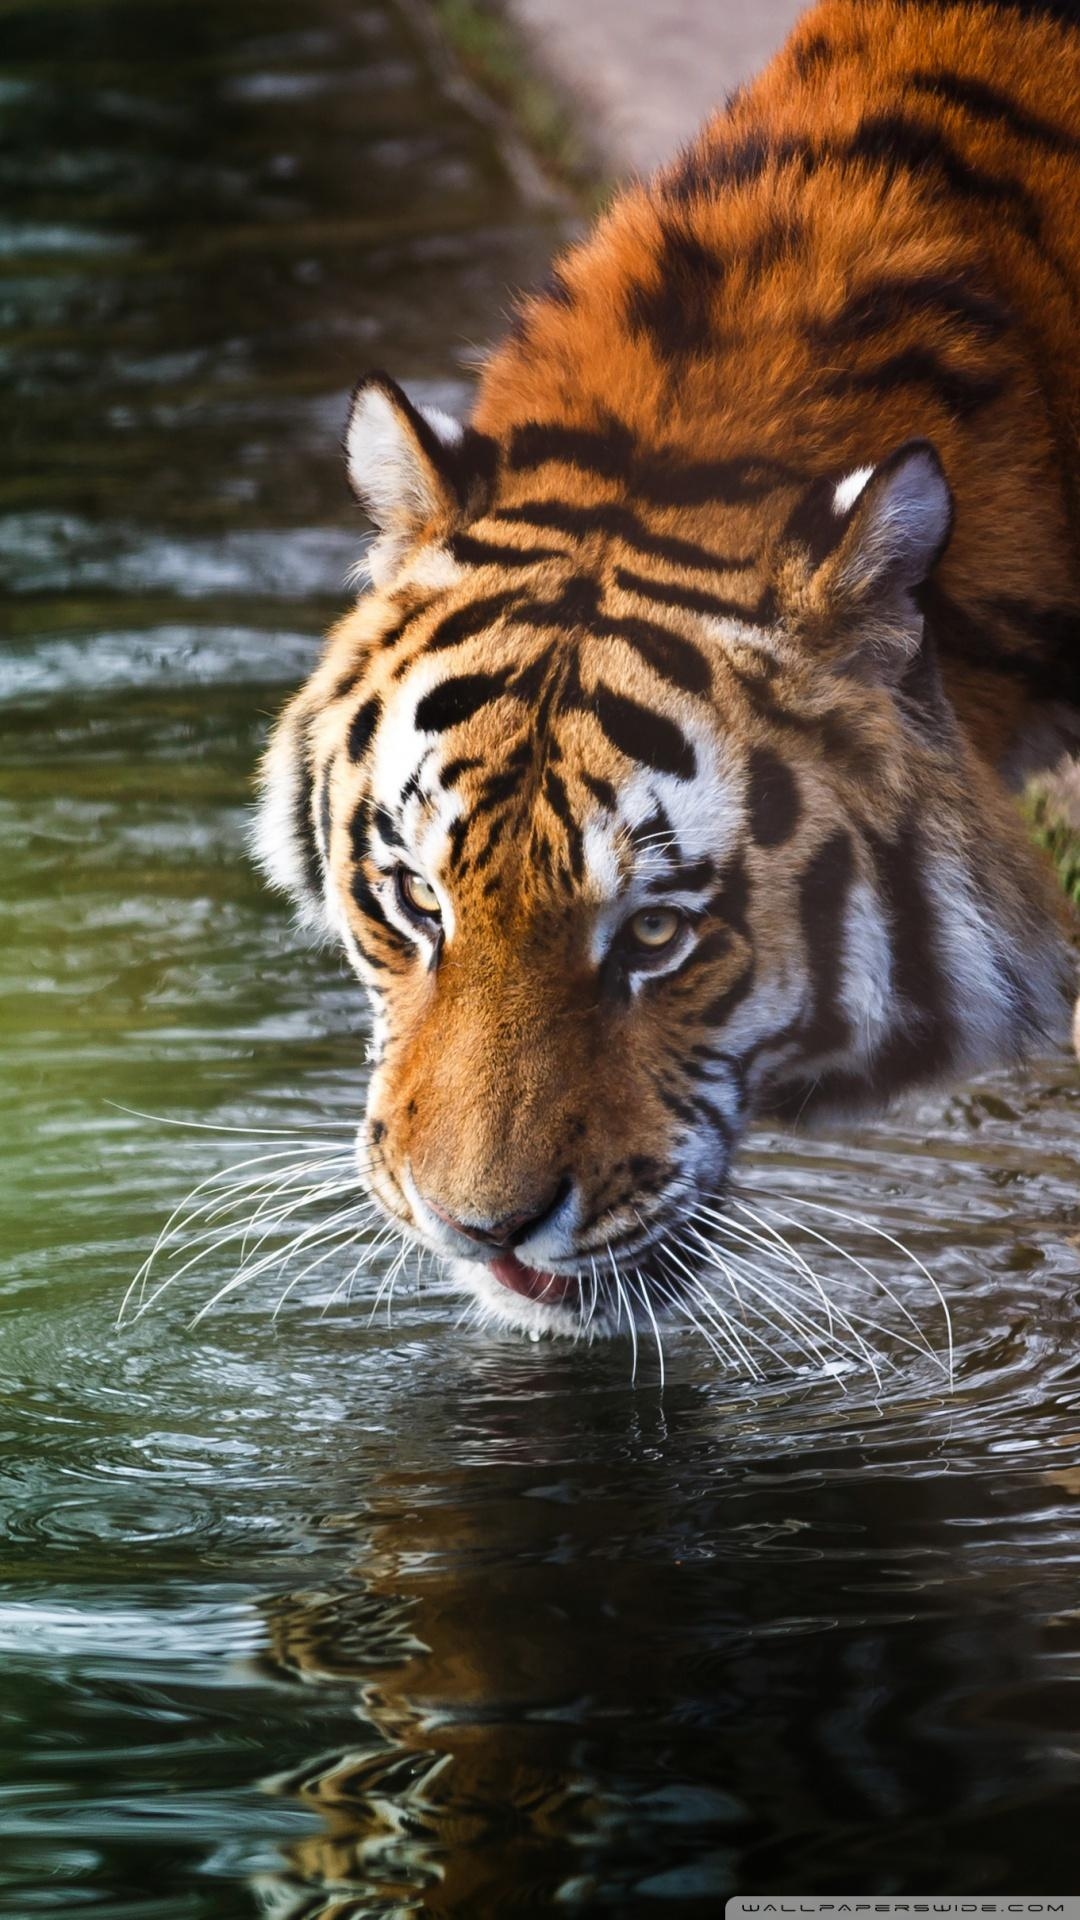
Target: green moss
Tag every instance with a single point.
(494, 55)
(1055, 827)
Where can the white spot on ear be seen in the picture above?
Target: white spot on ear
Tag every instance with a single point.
(849, 489)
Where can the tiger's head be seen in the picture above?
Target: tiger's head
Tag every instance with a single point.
(637, 818)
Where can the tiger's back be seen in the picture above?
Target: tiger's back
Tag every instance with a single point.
(879, 238)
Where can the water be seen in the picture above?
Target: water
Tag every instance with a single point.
(323, 1616)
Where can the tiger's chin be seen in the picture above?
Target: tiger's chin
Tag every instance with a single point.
(524, 1300)
(593, 1305)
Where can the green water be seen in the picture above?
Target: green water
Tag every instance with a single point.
(325, 1615)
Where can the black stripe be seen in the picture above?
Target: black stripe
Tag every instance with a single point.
(772, 798)
(721, 1008)
(456, 700)
(349, 682)
(362, 726)
(990, 104)
(922, 1044)
(675, 310)
(386, 827)
(535, 684)
(659, 477)
(607, 452)
(398, 631)
(579, 521)
(893, 141)
(814, 54)
(457, 836)
(1054, 630)
(779, 236)
(731, 901)
(656, 827)
(464, 623)
(453, 770)
(693, 1108)
(688, 876)
(713, 946)
(736, 482)
(498, 789)
(554, 287)
(488, 553)
(556, 797)
(889, 139)
(759, 692)
(706, 169)
(674, 658)
(487, 851)
(576, 605)
(814, 522)
(667, 594)
(601, 790)
(958, 389)
(823, 893)
(888, 302)
(303, 818)
(363, 894)
(650, 738)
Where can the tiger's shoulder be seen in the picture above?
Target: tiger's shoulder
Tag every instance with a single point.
(878, 238)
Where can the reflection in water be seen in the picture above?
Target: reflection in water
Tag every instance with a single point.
(329, 1616)
(599, 1665)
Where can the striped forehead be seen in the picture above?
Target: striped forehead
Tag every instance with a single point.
(462, 768)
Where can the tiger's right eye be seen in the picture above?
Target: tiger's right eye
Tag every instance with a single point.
(417, 896)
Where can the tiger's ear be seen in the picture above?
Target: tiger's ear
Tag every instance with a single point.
(876, 538)
(413, 469)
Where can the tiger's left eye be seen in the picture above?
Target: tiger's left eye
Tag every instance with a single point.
(417, 895)
(654, 928)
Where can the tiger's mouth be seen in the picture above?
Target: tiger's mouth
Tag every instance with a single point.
(531, 1282)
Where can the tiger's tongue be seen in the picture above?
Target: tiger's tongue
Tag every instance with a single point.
(548, 1287)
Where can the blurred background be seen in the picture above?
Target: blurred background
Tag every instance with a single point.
(330, 1615)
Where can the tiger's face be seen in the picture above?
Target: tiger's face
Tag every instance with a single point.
(624, 861)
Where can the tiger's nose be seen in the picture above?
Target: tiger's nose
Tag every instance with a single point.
(508, 1231)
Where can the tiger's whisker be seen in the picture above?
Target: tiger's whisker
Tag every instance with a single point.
(792, 1259)
(643, 1294)
(869, 1226)
(729, 1333)
(629, 1314)
(876, 1280)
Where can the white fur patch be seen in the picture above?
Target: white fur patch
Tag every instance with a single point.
(849, 489)
(276, 841)
(386, 468)
(450, 431)
(968, 944)
(867, 993)
(434, 569)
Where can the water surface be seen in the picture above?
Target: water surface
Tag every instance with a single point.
(326, 1615)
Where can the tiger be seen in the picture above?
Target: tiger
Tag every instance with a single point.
(662, 780)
